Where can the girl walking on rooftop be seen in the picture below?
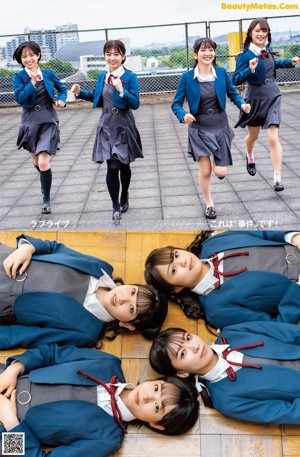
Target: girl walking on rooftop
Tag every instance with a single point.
(117, 138)
(209, 134)
(257, 66)
(39, 129)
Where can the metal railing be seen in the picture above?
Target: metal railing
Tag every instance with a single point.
(157, 53)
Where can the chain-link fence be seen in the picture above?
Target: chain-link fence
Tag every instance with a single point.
(158, 54)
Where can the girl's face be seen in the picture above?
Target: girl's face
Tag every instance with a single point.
(190, 354)
(29, 59)
(120, 302)
(259, 36)
(184, 271)
(114, 59)
(145, 401)
(205, 55)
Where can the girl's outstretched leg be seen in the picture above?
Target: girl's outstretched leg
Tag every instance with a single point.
(276, 156)
(125, 176)
(113, 186)
(250, 140)
(205, 169)
(43, 165)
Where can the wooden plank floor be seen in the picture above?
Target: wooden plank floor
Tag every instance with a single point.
(213, 435)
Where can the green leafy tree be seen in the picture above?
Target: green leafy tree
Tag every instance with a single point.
(61, 68)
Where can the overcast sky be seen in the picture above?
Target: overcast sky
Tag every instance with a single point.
(90, 14)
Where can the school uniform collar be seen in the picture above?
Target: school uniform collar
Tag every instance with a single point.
(207, 284)
(104, 400)
(92, 304)
(256, 49)
(219, 371)
(117, 73)
(39, 73)
(211, 77)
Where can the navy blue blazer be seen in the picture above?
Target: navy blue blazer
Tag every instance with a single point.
(190, 89)
(270, 394)
(252, 295)
(130, 99)
(243, 73)
(25, 92)
(74, 428)
(47, 317)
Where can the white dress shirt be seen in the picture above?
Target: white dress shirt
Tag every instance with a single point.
(104, 401)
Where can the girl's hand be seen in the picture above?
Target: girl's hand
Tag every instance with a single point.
(117, 83)
(18, 261)
(33, 75)
(295, 60)
(75, 89)
(246, 107)
(188, 118)
(8, 411)
(8, 379)
(253, 63)
(60, 103)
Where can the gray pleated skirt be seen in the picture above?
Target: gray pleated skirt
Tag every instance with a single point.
(265, 103)
(39, 132)
(211, 136)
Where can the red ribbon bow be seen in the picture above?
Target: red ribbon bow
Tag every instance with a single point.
(111, 78)
(265, 53)
(230, 371)
(111, 390)
(216, 262)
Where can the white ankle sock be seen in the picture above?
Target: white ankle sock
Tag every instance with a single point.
(277, 176)
(250, 158)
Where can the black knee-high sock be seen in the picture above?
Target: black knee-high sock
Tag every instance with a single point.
(46, 181)
(113, 183)
(125, 176)
(37, 167)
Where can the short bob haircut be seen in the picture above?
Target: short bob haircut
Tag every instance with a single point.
(180, 419)
(32, 45)
(115, 44)
(152, 309)
(204, 43)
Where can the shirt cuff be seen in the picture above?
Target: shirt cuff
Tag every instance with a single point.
(288, 236)
(24, 241)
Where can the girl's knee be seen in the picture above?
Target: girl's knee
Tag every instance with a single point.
(43, 161)
(220, 172)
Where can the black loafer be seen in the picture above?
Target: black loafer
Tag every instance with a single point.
(250, 168)
(46, 208)
(116, 217)
(210, 212)
(124, 204)
(278, 186)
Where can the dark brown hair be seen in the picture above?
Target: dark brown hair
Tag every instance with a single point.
(264, 27)
(115, 44)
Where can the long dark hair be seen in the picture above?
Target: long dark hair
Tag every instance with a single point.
(115, 44)
(152, 308)
(159, 358)
(180, 419)
(32, 45)
(204, 43)
(186, 299)
(263, 25)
